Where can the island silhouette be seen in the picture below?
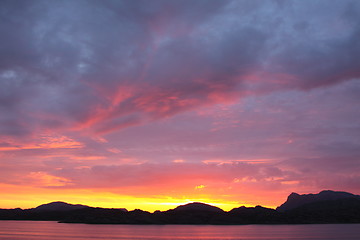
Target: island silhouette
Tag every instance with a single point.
(324, 207)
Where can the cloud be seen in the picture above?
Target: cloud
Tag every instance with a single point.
(322, 63)
(71, 61)
(227, 180)
(74, 62)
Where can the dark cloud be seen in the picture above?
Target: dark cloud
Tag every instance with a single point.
(70, 60)
(320, 50)
(324, 63)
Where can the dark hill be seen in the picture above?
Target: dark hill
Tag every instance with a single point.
(343, 210)
(192, 213)
(258, 214)
(58, 206)
(197, 206)
(296, 200)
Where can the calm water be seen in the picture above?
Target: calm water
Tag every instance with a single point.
(29, 230)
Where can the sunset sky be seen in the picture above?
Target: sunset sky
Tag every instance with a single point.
(153, 104)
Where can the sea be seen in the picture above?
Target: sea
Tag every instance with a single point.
(41, 230)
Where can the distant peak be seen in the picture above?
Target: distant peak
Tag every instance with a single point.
(198, 206)
(324, 191)
(295, 200)
(57, 202)
(334, 192)
(330, 192)
(59, 206)
(294, 195)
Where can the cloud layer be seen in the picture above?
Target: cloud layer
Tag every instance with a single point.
(216, 93)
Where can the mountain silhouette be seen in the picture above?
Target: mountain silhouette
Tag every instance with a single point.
(191, 213)
(324, 207)
(258, 214)
(59, 206)
(197, 206)
(296, 200)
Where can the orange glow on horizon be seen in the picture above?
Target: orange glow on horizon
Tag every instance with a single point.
(31, 197)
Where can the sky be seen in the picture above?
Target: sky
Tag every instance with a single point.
(153, 104)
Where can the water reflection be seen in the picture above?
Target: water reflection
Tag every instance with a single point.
(31, 230)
